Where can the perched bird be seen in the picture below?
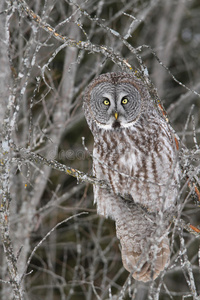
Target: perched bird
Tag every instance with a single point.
(135, 153)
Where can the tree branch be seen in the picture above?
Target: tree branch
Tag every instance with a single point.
(81, 176)
(109, 53)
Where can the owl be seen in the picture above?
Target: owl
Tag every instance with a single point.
(135, 153)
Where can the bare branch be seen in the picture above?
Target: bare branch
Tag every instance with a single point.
(31, 156)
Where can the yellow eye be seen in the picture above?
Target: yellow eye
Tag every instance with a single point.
(124, 101)
(106, 102)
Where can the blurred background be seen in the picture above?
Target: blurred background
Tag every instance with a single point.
(42, 85)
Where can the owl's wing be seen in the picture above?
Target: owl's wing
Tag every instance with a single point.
(145, 249)
(148, 171)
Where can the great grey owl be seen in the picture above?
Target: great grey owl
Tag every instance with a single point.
(135, 152)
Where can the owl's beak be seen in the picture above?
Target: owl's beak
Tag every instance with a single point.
(116, 115)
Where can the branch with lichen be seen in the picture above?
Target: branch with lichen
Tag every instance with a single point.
(81, 176)
(5, 199)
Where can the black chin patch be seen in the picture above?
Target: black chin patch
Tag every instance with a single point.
(116, 124)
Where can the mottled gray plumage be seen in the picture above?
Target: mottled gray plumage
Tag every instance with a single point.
(135, 152)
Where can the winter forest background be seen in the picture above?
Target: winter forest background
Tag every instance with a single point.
(53, 245)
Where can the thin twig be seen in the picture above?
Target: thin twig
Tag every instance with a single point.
(45, 237)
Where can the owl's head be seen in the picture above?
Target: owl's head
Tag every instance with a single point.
(114, 100)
